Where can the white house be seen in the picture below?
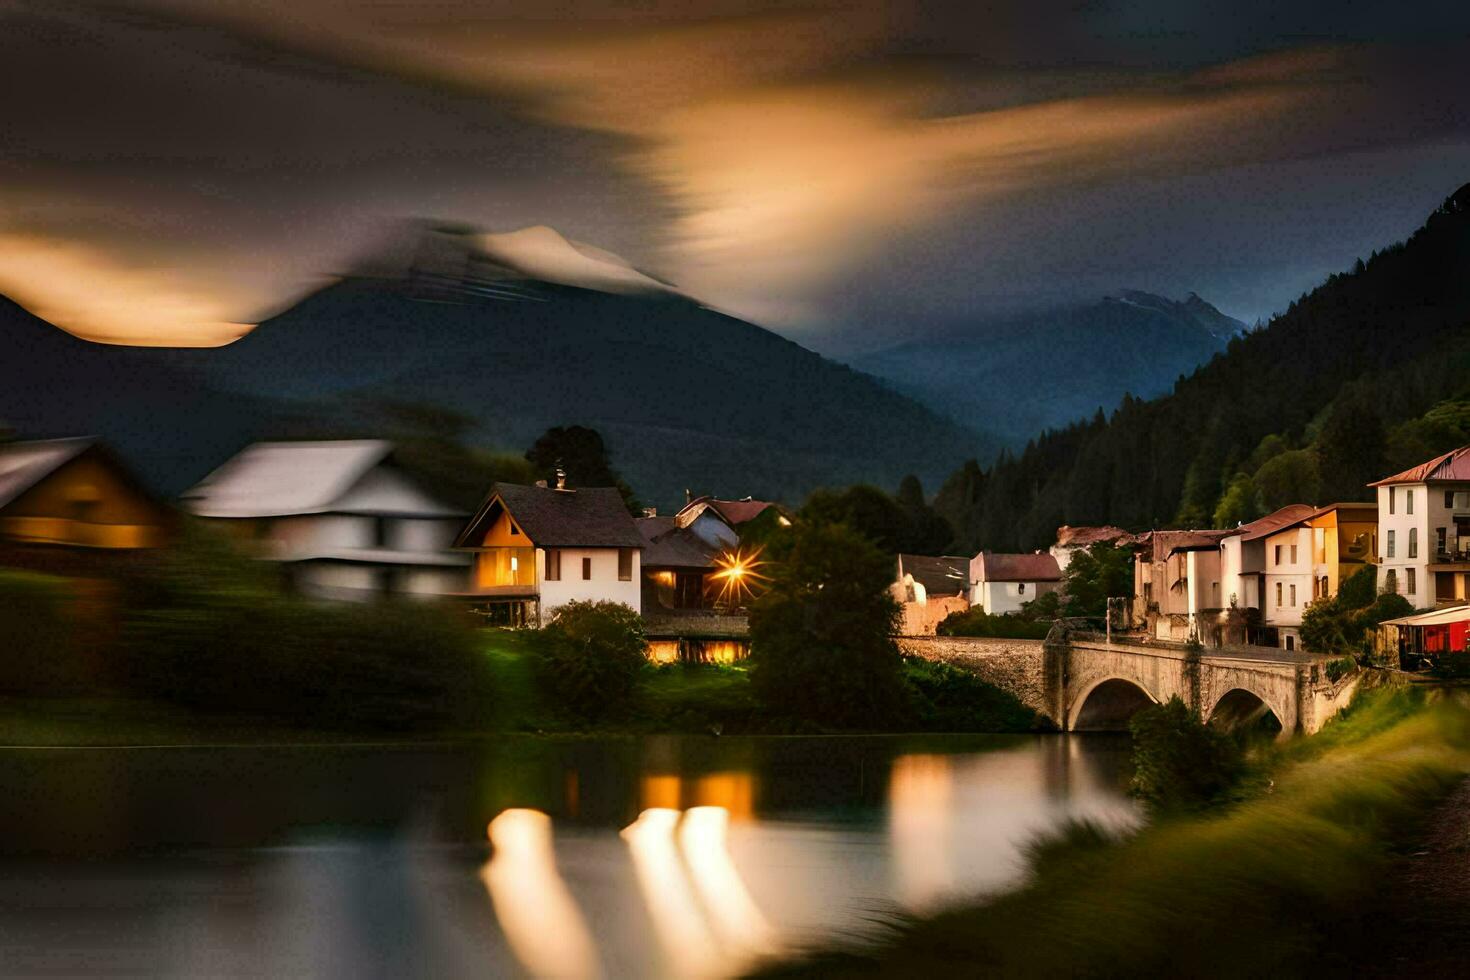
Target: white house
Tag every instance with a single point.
(1290, 581)
(1243, 570)
(1424, 531)
(718, 522)
(928, 590)
(538, 548)
(341, 517)
(1001, 583)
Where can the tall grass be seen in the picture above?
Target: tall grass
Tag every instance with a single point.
(1264, 888)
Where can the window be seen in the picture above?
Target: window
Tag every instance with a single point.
(1449, 499)
(380, 532)
(513, 529)
(515, 564)
(625, 564)
(1408, 501)
(1413, 542)
(1020, 588)
(1293, 595)
(1439, 540)
(586, 568)
(1278, 595)
(1390, 543)
(1390, 499)
(553, 565)
(1411, 580)
(1293, 554)
(1277, 556)
(1391, 581)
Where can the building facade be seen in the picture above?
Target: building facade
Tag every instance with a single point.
(535, 549)
(1424, 531)
(1001, 583)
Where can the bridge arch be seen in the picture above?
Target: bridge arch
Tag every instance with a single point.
(1107, 703)
(1243, 710)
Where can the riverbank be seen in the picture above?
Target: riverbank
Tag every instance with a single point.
(1283, 882)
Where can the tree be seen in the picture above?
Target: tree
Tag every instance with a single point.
(821, 636)
(1095, 575)
(1351, 446)
(580, 453)
(1240, 504)
(1181, 763)
(1289, 478)
(590, 656)
(927, 533)
(864, 509)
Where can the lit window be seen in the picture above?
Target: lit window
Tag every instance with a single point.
(515, 564)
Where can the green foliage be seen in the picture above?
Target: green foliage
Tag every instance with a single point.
(1290, 478)
(1239, 504)
(39, 646)
(699, 698)
(1326, 626)
(206, 629)
(821, 635)
(1351, 446)
(907, 525)
(590, 655)
(1180, 762)
(582, 456)
(1044, 608)
(1093, 575)
(976, 622)
(945, 698)
(1342, 623)
(1359, 589)
(1340, 668)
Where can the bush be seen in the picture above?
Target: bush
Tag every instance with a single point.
(38, 643)
(945, 698)
(1340, 668)
(976, 622)
(1453, 666)
(821, 638)
(590, 655)
(1179, 762)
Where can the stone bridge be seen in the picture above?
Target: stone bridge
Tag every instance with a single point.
(1085, 684)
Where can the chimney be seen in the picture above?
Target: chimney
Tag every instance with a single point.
(688, 495)
(561, 476)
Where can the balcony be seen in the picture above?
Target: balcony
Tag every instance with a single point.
(505, 573)
(1459, 555)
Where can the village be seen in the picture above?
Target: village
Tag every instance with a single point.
(342, 521)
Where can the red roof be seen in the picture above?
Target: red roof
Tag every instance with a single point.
(735, 512)
(1038, 567)
(1288, 516)
(1452, 466)
(1081, 537)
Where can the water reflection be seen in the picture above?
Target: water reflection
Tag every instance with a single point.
(532, 904)
(688, 945)
(677, 857)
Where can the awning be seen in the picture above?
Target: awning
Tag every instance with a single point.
(1437, 617)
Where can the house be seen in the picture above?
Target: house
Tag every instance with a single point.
(1177, 583)
(1290, 581)
(1001, 583)
(68, 504)
(1243, 577)
(719, 521)
(929, 589)
(1409, 641)
(1424, 531)
(341, 518)
(677, 564)
(1071, 540)
(537, 548)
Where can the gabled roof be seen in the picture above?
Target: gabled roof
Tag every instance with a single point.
(588, 517)
(1039, 567)
(277, 479)
(948, 575)
(733, 512)
(1165, 543)
(25, 464)
(1277, 520)
(667, 545)
(1453, 466)
(1082, 537)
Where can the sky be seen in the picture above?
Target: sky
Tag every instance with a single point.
(852, 175)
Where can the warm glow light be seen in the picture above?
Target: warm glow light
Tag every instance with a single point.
(920, 804)
(535, 910)
(741, 926)
(682, 931)
(738, 575)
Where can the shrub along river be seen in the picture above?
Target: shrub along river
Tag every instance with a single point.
(620, 857)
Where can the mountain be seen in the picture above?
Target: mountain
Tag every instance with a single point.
(1021, 375)
(1366, 375)
(506, 330)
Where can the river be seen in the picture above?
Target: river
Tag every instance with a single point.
(616, 857)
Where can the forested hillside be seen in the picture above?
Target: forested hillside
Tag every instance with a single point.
(1366, 375)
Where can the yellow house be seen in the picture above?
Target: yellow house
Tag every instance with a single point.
(75, 494)
(1344, 539)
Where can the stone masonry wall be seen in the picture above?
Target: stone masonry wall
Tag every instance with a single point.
(1017, 666)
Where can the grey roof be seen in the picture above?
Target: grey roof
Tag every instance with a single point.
(588, 517)
(667, 545)
(947, 575)
(25, 464)
(277, 479)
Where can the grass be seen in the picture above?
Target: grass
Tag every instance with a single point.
(1271, 886)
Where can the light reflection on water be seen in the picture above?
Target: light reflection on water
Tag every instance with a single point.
(633, 857)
